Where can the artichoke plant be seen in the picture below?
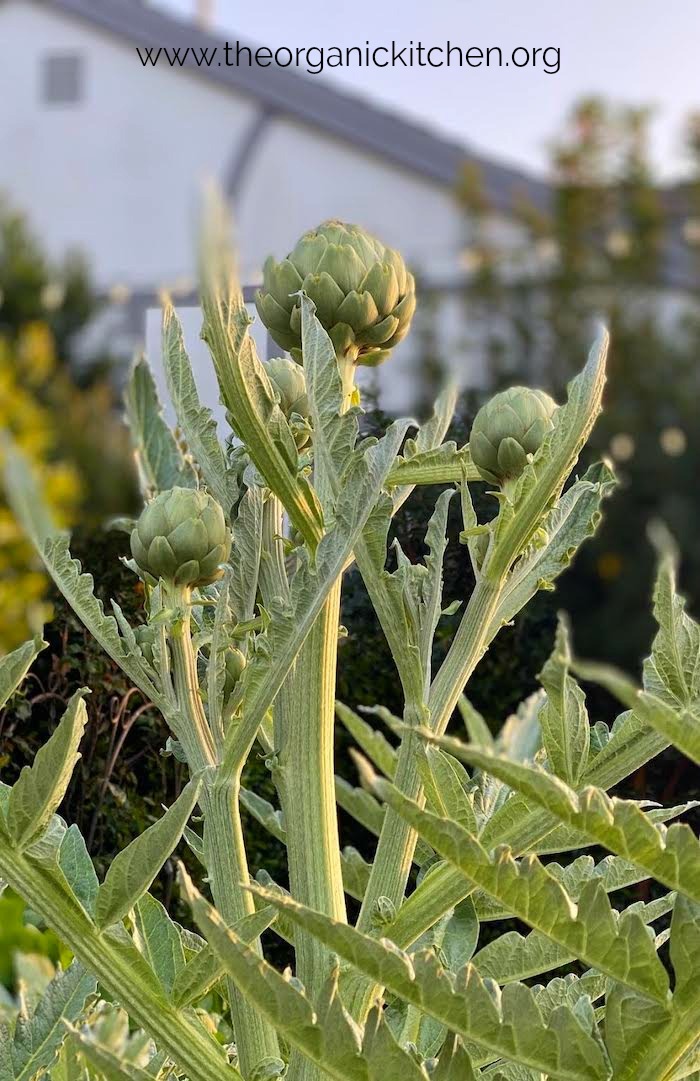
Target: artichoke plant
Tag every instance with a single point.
(364, 295)
(508, 428)
(181, 537)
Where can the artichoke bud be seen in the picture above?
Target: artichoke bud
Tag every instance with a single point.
(289, 382)
(364, 295)
(145, 637)
(507, 430)
(181, 537)
(234, 665)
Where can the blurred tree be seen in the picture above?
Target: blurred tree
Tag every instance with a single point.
(612, 245)
(71, 432)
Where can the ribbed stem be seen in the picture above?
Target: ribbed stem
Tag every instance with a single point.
(304, 727)
(186, 1043)
(224, 846)
(397, 841)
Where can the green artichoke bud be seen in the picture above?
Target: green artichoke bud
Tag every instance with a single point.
(289, 381)
(146, 636)
(234, 665)
(181, 537)
(364, 295)
(508, 428)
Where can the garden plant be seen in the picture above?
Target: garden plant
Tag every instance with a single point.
(398, 973)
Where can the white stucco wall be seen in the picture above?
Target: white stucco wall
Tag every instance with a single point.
(118, 174)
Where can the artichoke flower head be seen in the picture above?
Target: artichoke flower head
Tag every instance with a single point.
(507, 430)
(363, 293)
(181, 537)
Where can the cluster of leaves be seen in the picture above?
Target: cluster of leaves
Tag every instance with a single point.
(414, 988)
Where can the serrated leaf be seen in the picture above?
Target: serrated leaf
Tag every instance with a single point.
(158, 939)
(573, 519)
(132, 871)
(563, 717)
(337, 1047)
(589, 930)
(472, 1008)
(245, 388)
(672, 672)
(335, 430)
(162, 464)
(26, 500)
(40, 787)
(204, 969)
(195, 420)
(15, 665)
(672, 855)
(444, 782)
(245, 555)
(446, 464)
(371, 741)
(454, 1063)
(78, 869)
(36, 1039)
(515, 957)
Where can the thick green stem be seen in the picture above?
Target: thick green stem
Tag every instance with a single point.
(186, 1043)
(304, 727)
(397, 841)
(224, 846)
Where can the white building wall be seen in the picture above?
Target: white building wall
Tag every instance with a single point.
(119, 176)
(116, 175)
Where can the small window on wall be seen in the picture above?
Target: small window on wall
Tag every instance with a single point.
(62, 76)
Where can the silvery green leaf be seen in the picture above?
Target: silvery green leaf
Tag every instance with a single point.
(513, 956)
(446, 464)
(133, 869)
(158, 939)
(425, 457)
(264, 813)
(204, 969)
(454, 1063)
(563, 716)
(27, 503)
(15, 665)
(292, 621)
(356, 872)
(32, 1047)
(246, 390)
(573, 519)
(78, 869)
(672, 855)
(162, 464)
(338, 1047)
(444, 782)
(371, 741)
(107, 1064)
(40, 787)
(335, 431)
(245, 555)
(195, 420)
(590, 930)
(646, 1045)
(477, 728)
(472, 1008)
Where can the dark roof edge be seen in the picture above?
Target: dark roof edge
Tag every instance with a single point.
(319, 104)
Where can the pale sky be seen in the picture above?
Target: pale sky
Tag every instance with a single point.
(631, 51)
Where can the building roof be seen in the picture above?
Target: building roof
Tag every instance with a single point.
(313, 101)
